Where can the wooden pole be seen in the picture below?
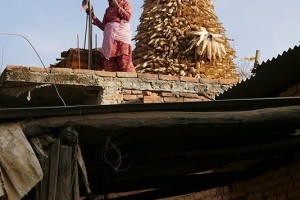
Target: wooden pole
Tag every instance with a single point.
(90, 36)
(257, 58)
(78, 51)
(96, 49)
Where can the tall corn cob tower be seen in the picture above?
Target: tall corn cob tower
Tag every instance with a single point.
(182, 38)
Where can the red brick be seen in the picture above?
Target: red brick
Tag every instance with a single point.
(14, 67)
(105, 74)
(129, 97)
(127, 92)
(216, 198)
(137, 92)
(229, 81)
(167, 94)
(61, 70)
(226, 190)
(84, 71)
(39, 69)
(147, 93)
(148, 76)
(153, 99)
(168, 77)
(213, 192)
(126, 74)
(191, 100)
(189, 79)
(173, 99)
(199, 195)
(209, 80)
(237, 195)
(188, 95)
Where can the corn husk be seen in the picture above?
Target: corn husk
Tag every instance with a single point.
(182, 38)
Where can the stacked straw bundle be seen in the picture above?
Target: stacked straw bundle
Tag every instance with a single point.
(182, 38)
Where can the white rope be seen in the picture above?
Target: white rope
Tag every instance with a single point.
(115, 164)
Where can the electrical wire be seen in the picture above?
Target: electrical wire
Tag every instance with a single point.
(54, 84)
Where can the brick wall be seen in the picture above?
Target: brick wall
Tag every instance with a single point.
(279, 184)
(161, 96)
(124, 87)
(293, 91)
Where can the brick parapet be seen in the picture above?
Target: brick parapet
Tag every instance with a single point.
(71, 71)
(168, 88)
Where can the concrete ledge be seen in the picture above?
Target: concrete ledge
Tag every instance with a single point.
(167, 77)
(116, 84)
(39, 69)
(189, 79)
(148, 76)
(61, 70)
(126, 75)
(106, 74)
(230, 81)
(84, 71)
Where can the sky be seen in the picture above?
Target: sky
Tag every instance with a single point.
(52, 26)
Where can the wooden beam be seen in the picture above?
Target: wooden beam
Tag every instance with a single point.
(285, 117)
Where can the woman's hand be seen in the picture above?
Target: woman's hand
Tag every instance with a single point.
(115, 4)
(88, 11)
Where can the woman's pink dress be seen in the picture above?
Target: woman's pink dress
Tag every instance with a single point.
(120, 58)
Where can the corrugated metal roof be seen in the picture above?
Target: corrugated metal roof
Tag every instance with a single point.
(270, 78)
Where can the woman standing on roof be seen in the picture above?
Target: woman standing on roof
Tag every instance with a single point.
(116, 47)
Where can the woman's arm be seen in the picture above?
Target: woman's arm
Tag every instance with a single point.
(98, 23)
(125, 11)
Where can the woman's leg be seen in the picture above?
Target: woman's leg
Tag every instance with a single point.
(125, 63)
(110, 65)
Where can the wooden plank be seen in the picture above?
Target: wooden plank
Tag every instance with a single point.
(64, 178)
(76, 191)
(54, 161)
(44, 184)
